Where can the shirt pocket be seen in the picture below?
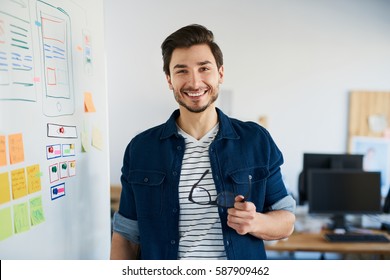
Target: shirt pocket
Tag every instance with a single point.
(256, 185)
(148, 192)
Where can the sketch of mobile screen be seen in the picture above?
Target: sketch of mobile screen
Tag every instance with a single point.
(56, 52)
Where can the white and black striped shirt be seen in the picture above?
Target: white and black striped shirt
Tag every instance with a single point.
(199, 225)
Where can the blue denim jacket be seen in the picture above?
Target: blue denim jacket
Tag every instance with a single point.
(151, 173)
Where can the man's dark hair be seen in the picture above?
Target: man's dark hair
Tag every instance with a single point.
(186, 37)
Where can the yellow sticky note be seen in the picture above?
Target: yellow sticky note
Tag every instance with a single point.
(84, 142)
(6, 223)
(5, 191)
(97, 138)
(21, 220)
(88, 103)
(33, 178)
(3, 157)
(18, 182)
(36, 211)
(16, 148)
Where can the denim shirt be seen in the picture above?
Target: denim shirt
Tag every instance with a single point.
(150, 179)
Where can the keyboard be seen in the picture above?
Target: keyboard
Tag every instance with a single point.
(356, 237)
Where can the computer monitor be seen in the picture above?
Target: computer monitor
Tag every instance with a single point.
(325, 161)
(341, 192)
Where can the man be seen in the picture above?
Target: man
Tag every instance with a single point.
(202, 185)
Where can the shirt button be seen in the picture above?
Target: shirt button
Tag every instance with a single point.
(146, 179)
(174, 173)
(173, 242)
(174, 210)
(178, 148)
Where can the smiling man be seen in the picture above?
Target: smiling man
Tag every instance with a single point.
(202, 185)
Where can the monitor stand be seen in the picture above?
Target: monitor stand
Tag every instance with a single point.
(338, 222)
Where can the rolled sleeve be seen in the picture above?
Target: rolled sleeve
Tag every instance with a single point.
(286, 203)
(126, 227)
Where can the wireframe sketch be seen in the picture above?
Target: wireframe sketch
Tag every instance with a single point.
(16, 52)
(57, 71)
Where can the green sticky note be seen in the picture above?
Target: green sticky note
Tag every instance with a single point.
(21, 219)
(36, 211)
(5, 223)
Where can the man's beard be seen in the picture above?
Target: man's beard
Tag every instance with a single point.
(195, 110)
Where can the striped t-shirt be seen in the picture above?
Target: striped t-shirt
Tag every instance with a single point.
(199, 225)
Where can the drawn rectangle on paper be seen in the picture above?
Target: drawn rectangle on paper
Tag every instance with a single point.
(54, 173)
(61, 131)
(68, 150)
(53, 151)
(57, 191)
(72, 168)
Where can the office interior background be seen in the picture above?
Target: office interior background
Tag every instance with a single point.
(292, 63)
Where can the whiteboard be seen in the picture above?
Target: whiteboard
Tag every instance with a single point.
(54, 160)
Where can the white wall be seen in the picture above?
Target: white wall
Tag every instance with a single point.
(294, 61)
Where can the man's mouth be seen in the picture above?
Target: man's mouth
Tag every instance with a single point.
(195, 93)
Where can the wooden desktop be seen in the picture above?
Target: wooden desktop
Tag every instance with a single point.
(315, 242)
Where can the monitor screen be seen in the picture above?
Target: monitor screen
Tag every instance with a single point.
(345, 192)
(341, 192)
(325, 161)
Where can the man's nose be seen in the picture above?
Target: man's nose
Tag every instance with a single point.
(194, 80)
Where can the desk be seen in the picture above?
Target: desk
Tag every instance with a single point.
(315, 242)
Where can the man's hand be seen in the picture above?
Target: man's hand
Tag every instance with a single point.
(272, 225)
(242, 217)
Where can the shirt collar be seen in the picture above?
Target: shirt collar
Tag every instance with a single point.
(226, 129)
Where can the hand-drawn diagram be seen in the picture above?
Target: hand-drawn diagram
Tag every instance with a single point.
(57, 69)
(16, 52)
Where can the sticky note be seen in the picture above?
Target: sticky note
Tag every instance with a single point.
(84, 142)
(36, 211)
(3, 156)
(88, 103)
(97, 138)
(33, 178)
(18, 183)
(5, 191)
(21, 219)
(16, 149)
(6, 223)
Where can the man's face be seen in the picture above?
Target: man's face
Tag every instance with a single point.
(194, 77)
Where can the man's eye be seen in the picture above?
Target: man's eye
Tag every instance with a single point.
(203, 69)
(181, 71)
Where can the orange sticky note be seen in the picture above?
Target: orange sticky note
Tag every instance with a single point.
(16, 149)
(33, 178)
(3, 157)
(18, 182)
(88, 103)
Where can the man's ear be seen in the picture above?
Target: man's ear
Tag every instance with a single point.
(169, 81)
(221, 74)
